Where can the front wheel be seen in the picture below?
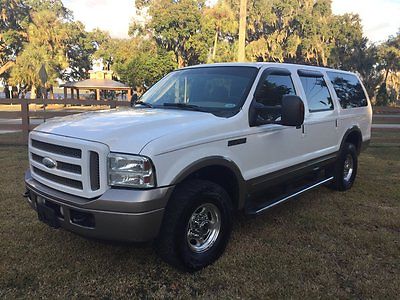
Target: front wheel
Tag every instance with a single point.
(196, 226)
(345, 171)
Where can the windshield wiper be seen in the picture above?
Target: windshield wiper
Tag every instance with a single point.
(184, 106)
(144, 104)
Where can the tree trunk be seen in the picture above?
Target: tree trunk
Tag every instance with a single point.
(181, 62)
(7, 91)
(33, 93)
(242, 31)
(51, 92)
(215, 45)
(387, 75)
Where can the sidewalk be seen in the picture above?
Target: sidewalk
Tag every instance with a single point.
(386, 126)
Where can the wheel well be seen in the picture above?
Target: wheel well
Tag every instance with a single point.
(354, 138)
(223, 176)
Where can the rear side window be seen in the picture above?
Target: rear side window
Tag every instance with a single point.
(348, 89)
(270, 92)
(317, 93)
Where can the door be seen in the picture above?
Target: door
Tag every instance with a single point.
(272, 147)
(321, 121)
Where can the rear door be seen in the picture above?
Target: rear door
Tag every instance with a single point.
(321, 122)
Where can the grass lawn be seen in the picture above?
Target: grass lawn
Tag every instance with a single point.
(324, 244)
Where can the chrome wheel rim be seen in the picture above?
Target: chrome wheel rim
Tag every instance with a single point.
(203, 227)
(348, 168)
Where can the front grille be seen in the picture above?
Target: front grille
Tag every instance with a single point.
(80, 166)
(58, 179)
(56, 149)
(60, 165)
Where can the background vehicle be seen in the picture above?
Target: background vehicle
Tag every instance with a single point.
(202, 143)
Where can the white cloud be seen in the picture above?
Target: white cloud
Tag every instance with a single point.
(380, 19)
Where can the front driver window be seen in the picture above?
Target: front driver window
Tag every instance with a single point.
(270, 93)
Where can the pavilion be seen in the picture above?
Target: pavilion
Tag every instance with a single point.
(98, 81)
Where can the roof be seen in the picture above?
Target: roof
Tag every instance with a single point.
(96, 84)
(262, 64)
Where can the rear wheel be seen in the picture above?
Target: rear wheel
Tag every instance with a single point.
(345, 171)
(196, 226)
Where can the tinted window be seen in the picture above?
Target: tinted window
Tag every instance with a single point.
(348, 89)
(270, 92)
(317, 93)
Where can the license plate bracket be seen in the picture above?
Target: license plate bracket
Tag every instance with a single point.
(47, 215)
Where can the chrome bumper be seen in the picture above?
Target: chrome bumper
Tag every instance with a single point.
(119, 214)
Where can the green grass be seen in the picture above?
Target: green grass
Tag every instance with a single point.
(12, 139)
(324, 244)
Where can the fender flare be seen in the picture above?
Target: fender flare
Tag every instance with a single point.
(347, 133)
(215, 161)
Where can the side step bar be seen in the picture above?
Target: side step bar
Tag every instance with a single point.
(288, 197)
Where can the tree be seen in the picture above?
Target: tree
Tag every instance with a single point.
(146, 68)
(80, 48)
(348, 42)
(52, 38)
(222, 18)
(14, 15)
(389, 63)
(178, 26)
(389, 53)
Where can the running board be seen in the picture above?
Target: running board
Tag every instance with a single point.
(288, 197)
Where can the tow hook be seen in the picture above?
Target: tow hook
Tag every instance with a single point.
(26, 194)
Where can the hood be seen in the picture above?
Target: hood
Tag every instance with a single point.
(126, 129)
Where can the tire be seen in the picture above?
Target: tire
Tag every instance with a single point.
(195, 200)
(345, 171)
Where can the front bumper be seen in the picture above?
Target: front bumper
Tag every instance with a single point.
(119, 214)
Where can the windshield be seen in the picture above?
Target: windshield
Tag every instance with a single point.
(210, 89)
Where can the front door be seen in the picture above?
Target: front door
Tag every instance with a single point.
(272, 147)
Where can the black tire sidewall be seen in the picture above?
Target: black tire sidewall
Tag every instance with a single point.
(195, 261)
(342, 184)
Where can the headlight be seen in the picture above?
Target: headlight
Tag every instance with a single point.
(130, 171)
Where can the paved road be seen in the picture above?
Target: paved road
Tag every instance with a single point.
(386, 116)
(16, 122)
(386, 126)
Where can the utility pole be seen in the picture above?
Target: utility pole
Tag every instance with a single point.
(242, 31)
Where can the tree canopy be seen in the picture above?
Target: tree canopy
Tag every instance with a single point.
(178, 33)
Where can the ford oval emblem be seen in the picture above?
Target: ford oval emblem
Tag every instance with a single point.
(49, 163)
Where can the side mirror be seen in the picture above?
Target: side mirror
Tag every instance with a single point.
(292, 111)
(134, 98)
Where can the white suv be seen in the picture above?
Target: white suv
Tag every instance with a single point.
(202, 143)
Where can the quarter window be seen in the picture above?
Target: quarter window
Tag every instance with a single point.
(270, 92)
(348, 89)
(317, 93)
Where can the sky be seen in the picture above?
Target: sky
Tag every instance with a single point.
(380, 18)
